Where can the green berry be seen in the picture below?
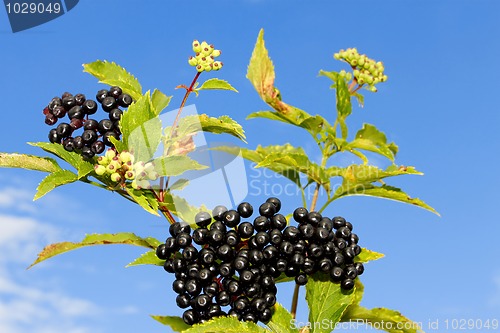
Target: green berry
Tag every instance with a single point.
(196, 46)
(103, 160)
(100, 169)
(129, 175)
(115, 177)
(110, 154)
(193, 61)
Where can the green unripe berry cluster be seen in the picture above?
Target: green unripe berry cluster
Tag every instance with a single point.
(204, 60)
(365, 70)
(121, 169)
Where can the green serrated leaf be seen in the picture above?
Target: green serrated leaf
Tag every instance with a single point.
(76, 160)
(282, 321)
(327, 302)
(313, 124)
(216, 84)
(299, 162)
(394, 193)
(179, 184)
(362, 173)
(331, 75)
(368, 255)
(272, 115)
(384, 191)
(29, 162)
(175, 165)
(136, 115)
(260, 153)
(391, 321)
(118, 144)
(359, 292)
(175, 323)
(114, 75)
(54, 180)
(159, 101)
(335, 171)
(227, 325)
(371, 139)
(283, 277)
(222, 124)
(192, 124)
(144, 140)
(180, 207)
(344, 106)
(261, 70)
(148, 258)
(360, 98)
(96, 239)
(141, 199)
(152, 199)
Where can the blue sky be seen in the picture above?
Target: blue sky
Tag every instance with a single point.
(439, 106)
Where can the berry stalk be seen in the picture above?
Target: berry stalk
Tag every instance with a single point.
(295, 297)
(163, 183)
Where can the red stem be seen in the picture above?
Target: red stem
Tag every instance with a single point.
(163, 183)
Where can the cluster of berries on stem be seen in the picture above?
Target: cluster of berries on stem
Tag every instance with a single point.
(227, 266)
(204, 59)
(122, 169)
(96, 134)
(365, 70)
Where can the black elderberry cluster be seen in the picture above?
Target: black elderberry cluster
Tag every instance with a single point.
(96, 134)
(227, 262)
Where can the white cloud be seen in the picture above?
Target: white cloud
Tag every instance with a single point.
(24, 308)
(18, 199)
(28, 302)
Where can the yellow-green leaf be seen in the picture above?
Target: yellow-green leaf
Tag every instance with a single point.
(54, 180)
(96, 239)
(159, 101)
(216, 84)
(260, 153)
(226, 325)
(29, 162)
(362, 173)
(394, 193)
(282, 321)
(179, 184)
(327, 302)
(136, 115)
(368, 255)
(222, 124)
(141, 199)
(261, 70)
(298, 162)
(148, 258)
(390, 320)
(180, 207)
(371, 139)
(175, 323)
(114, 75)
(76, 160)
(192, 124)
(176, 165)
